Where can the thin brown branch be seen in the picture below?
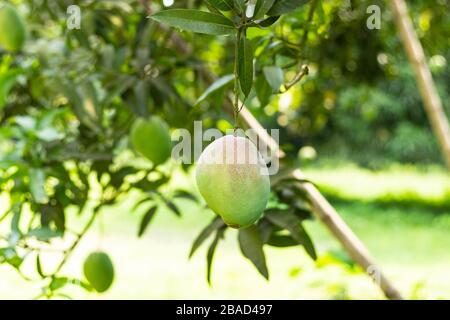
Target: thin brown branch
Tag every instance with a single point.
(299, 76)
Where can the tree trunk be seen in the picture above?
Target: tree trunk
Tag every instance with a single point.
(416, 56)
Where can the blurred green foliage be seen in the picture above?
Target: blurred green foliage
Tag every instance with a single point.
(362, 102)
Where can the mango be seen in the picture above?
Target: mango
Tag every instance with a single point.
(151, 138)
(13, 29)
(233, 179)
(99, 271)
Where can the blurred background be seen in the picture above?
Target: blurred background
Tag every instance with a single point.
(355, 125)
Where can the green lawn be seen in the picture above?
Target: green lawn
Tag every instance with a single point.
(401, 214)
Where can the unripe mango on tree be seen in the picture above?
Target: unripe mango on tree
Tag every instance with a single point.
(233, 179)
(151, 138)
(99, 271)
(13, 29)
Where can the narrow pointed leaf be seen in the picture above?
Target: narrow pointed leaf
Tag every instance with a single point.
(146, 220)
(206, 232)
(139, 203)
(262, 7)
(210, 253)
(263, 90)
(173, 208)
(268, 21)
(245, 65)
(274, 76)
(185, 195)
(39, 266)
(37, 182)
(252, 248)
(290, 222)
(196, 21)
(307, 243)
(216, 85)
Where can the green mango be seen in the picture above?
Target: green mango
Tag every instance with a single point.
(13, 30)
(151, 138)
(233, 179)
(99, 271)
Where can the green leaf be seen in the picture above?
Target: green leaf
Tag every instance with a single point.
(44, 233)
(263, 90)
(10, 256)
(285, 6)
(210, 253)
(37, 181)
(196, 21)
(90, 100)
(252, 248)
(15, 221)
(262, 7)
(281, 241)
(7, 82)
(49, 116)
(240, 5)
(274, 76)
(119, 86)
(69, 90)
(58, 283)
(288, 221)
(206, 232)
(27, 123)
(139, 203)
(268, 22)
(148, 216)
(245, 65)
(173, 208)
(49, 134)
(39, 266)
(265, 229)
(83, 284)
(224, 5)
(183, 194)
(216, 85)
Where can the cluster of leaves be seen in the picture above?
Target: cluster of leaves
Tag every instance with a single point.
(66, 109)
(280, 226)
(235, 17)
(68, 100)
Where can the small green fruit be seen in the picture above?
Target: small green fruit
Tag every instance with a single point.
(13, 29)
(233, 179)
(151, 138)
(99, 271)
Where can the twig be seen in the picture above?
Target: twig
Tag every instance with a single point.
(303, 72)
(75, 243)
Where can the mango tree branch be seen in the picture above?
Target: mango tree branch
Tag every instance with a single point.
(75, 243)
(303, 72)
